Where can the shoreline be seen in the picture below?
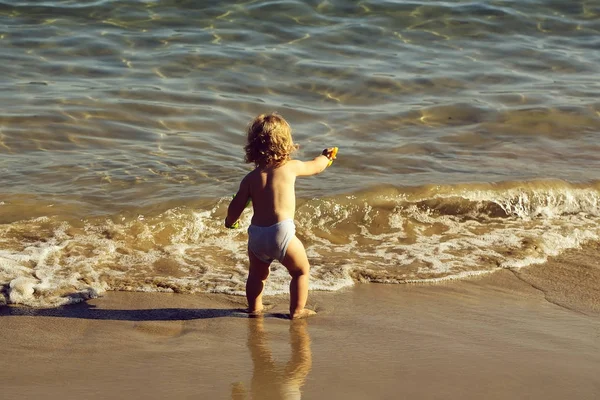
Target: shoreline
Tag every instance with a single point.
(493, 337)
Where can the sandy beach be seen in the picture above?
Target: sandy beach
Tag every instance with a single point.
(494, 337)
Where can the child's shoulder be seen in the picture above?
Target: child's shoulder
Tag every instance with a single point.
(251, 174)
(293, 164)
(291, 167)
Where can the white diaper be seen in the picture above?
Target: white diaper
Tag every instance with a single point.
(270, 243)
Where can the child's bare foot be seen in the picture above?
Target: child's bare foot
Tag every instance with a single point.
(259, 310)
(255, 313)
(304, 313)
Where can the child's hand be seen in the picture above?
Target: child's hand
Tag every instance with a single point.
(331, 154)
(235, 225)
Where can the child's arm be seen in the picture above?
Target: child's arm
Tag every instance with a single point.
(316, 166)
(237, 205)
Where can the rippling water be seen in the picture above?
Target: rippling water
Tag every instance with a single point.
(468, 135)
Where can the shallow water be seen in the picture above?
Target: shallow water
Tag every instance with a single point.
(468, 135)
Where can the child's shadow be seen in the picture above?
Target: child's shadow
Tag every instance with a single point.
(87, 311)
(271, 380)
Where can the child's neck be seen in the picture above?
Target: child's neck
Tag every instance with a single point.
(272, 165)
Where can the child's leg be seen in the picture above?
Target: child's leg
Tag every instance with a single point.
(296, 262)
(259, 272)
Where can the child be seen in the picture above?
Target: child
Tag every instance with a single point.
(270, 185)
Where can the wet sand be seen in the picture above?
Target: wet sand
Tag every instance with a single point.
(494, 337)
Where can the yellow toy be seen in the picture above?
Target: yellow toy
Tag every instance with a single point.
(331, 155)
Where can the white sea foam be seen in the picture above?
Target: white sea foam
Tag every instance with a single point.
(21, 289)
(391, 241)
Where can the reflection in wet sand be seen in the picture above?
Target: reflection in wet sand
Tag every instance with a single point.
(269, 379)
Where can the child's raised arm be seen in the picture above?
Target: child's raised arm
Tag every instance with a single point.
(237, 205)
(316, 166)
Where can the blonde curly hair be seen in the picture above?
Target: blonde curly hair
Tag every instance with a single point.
(269, 141)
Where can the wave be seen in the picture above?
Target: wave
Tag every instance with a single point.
(385, 234)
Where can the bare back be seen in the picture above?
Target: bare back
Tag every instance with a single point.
(273, 194)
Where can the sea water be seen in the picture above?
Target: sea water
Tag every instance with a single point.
(468, 135)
